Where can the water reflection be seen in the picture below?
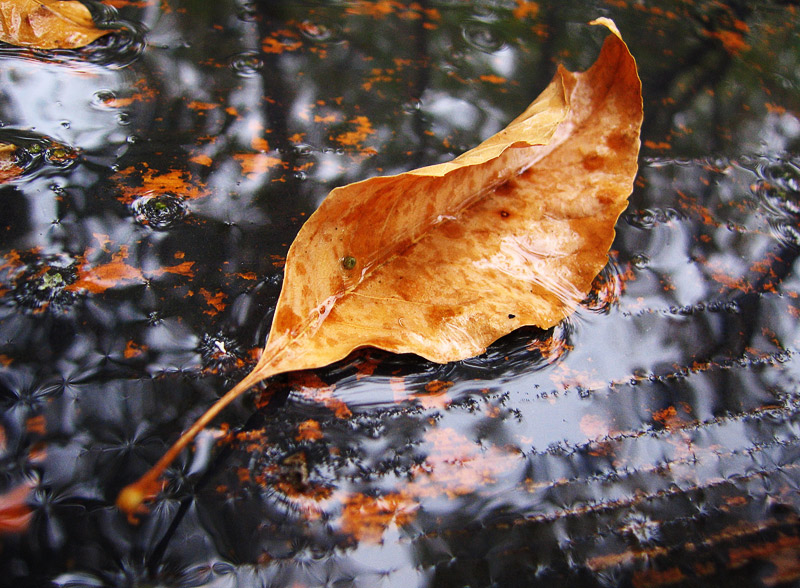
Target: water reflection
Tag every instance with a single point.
(653, 432)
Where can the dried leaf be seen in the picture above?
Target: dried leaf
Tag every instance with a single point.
(9, 168)
(47, 24)
(442, 261)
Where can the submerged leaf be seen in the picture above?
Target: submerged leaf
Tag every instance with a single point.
(47, 24)
(442, 261)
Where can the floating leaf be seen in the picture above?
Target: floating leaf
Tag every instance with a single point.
(9, 167)
(442, 261)
(47, 24)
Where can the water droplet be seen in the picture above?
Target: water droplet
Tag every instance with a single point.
(220, 353)
(303, 150)
(315, 32)
(248, 12)
(641, 219)
(159, 212)
(123, 119)
(732, 307)
(786, 231)
(412, 106)
(103, 99)
(778, 188)
(246, 64)
(640, 261)
(480, 36)
(43, 283)
(60, 155)
(65, 124)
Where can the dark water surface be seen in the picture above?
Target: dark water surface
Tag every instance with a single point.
(650, 439)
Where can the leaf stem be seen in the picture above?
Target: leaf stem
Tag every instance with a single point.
(132, 497)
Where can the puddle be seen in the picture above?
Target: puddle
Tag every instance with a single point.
(151, 186)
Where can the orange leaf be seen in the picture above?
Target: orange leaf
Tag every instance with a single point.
(442, 261)
(9, 169)
(47, 24)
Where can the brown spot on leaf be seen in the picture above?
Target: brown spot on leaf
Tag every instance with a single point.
(593, 162)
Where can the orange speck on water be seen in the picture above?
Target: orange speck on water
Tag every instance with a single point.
(774, 108)
(493, 79)
(309, 430)
(108, 275)
(526, 9)
(15, 514)
(36, 425)
(117, 273)
(313, 388)
(438, 386)
(214, 300)
(259, 144)
(732, 41)
(277, 46)
(133, 349)
(328, 118)
(182, 269)
(176, 181)
(201, 159)
(197, 105)
(255, 165)
(661, 145)
(356, 137)
(366, 518)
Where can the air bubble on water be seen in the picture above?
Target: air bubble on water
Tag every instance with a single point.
(248, 12)
(303, 150)
(159, 212)
(640, 261)
(315, 32)
(480, 36)
(246, 64)
(786, 231)
(103, 99)
(412, 106)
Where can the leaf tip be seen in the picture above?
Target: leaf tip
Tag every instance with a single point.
(608, 23)
(132, 497)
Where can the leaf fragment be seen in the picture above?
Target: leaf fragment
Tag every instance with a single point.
(9, 167)
(443, 260)
(47, 24)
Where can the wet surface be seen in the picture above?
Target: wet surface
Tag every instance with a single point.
(155, 183)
